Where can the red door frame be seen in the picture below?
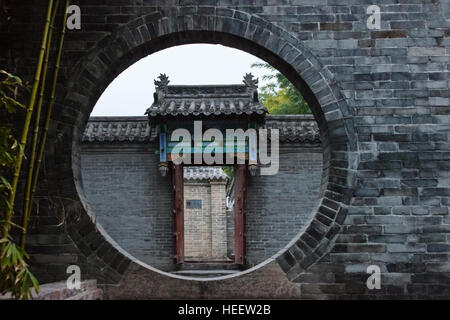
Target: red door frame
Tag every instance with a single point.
(240, 196)
(178, 211)
(240, 186)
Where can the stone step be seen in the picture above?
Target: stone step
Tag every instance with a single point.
(205, 273)
(213, 266)
(95, 294)
(59, 290)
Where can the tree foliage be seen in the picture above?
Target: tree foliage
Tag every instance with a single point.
(229, 171)
(15, 276)
(279, 95)
(9, 146)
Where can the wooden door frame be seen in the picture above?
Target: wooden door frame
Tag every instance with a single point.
(240, 197)
(239, 211)
(178, 211)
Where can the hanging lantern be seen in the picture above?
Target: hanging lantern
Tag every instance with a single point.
(163, 168)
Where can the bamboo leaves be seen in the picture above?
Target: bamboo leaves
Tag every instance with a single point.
(9, 91)
(15, 276)
(51, 102)
(34, 143)
(10, 88)
(30, 109)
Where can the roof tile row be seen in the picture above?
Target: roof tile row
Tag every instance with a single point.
(292, 128)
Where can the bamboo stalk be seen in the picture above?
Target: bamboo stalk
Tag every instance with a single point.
(27, 204)
(51, 102)
(28, 116)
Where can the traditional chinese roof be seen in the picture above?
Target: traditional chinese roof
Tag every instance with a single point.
(204, 173)
(118, 129)
(206, 100)
(293, 128)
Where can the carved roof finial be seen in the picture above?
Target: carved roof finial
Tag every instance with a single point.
(163, 81)
(250, 81)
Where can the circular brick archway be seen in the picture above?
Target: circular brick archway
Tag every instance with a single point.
(158, 31)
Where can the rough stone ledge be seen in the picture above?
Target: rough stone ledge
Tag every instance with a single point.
(59, 291)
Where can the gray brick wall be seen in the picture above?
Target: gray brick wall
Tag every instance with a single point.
(131, 200)
(279, 206)
(381, 98)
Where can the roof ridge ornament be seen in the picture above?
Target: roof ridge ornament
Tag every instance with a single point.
(161, 88)
(206, 101)
(250, 81)
(163, 82)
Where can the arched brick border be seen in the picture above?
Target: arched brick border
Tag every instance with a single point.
(164, 29)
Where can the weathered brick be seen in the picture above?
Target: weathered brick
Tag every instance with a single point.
(388, 34)
(394, 79)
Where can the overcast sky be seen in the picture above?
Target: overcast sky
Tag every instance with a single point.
(131, 93)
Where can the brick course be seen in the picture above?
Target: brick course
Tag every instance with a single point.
(380, 98)
(132, 202)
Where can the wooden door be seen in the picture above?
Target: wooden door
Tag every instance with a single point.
(178, 212)
(240, 175)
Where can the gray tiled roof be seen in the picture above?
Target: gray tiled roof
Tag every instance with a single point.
(204, 173)
(118, 129)
(206, 100)
(293, 128)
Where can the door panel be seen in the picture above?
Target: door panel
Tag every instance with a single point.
(178, 212)
(240, 175)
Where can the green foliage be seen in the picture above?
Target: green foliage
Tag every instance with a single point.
(14, 274)
(229, 171)
(9, 147)
(279, 95)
